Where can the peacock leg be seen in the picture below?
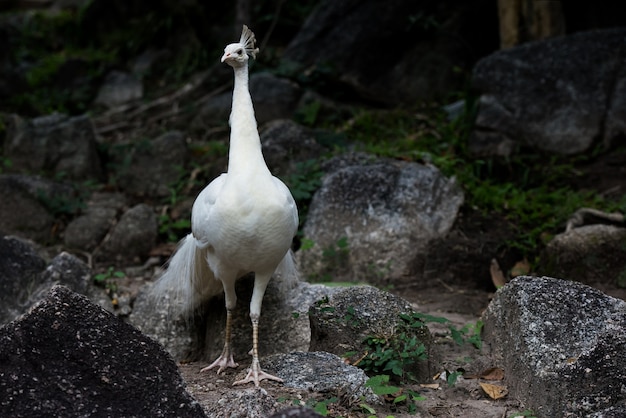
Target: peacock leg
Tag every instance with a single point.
(226, 358)
(255, 374)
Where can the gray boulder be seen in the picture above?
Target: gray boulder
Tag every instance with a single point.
(321, 372)
(593, 254)
(283, 327)
(558, 95)
(119, 88)
(243, 402)
(372, 217)
(68, 358)
(132, 237)
(28, 204)
(20, 272)
(341, 324)
(56, 143)
(286, 145)
(87, 231)
(151, 168)
(25, 278)
(273, 98)
(562, 345)
(351, 44)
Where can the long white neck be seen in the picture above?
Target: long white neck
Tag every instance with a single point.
(245, 145)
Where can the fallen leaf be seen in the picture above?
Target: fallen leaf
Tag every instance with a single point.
(497, 277)
(492, 373)
(430, 385)
(521, 268)
(494, 391)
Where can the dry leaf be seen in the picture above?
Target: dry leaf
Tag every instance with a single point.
(497, 277)
(521, 268)
(492, 373)
(430, 385)
(494, 391)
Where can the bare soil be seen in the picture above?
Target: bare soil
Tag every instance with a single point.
(465, 398)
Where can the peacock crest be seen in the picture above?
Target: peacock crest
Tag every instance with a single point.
(248, 40)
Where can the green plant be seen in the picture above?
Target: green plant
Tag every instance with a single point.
(107, 279)
(397, 396)
(5, 163)
(62, 204)
(308, 113)
(470, 333)
(398, 351)
(173, 228)
(305, 179)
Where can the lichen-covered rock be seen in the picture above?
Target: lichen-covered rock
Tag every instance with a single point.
(562, 345)
(341, 324)
(151, 167)
(28, 204)
(87, 231)
(54, 143)
(591, 254)
(320, 372)
(372, 217)
(283, 327)
(20, 271)
(132, 237)
(68, 358)
(554, 95)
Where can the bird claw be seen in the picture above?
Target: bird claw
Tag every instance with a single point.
(256, 375)
(223, 362)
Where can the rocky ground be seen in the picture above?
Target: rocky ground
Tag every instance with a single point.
(460, 302)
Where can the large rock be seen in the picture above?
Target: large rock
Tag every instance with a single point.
(119, 88)
(28, 205)
(273, 98)
(562, 345)
(20, 271)
(87, 231)
(343, 322)
(287, 146)
(372, 217)
(56, 144)
(151, 168)
(391, 52)
(68, 358)
(132, 238)
(25, 278)
(284, 325)
(593, 254)
(321, 372)
(559, 95)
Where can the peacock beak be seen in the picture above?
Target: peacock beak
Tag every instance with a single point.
(226, 55)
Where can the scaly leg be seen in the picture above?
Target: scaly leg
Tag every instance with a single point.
(226, 358)
(255, 374)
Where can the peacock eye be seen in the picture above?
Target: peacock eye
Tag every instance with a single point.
(238, 52)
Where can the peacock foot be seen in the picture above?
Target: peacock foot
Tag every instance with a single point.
(223, 361)
(255, 374)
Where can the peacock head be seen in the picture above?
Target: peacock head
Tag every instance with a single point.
(237, 54)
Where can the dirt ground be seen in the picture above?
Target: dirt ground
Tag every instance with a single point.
(465, 398)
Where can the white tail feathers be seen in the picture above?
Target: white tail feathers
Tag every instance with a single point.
(247, 40)
(286, 274)
(188, 280)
